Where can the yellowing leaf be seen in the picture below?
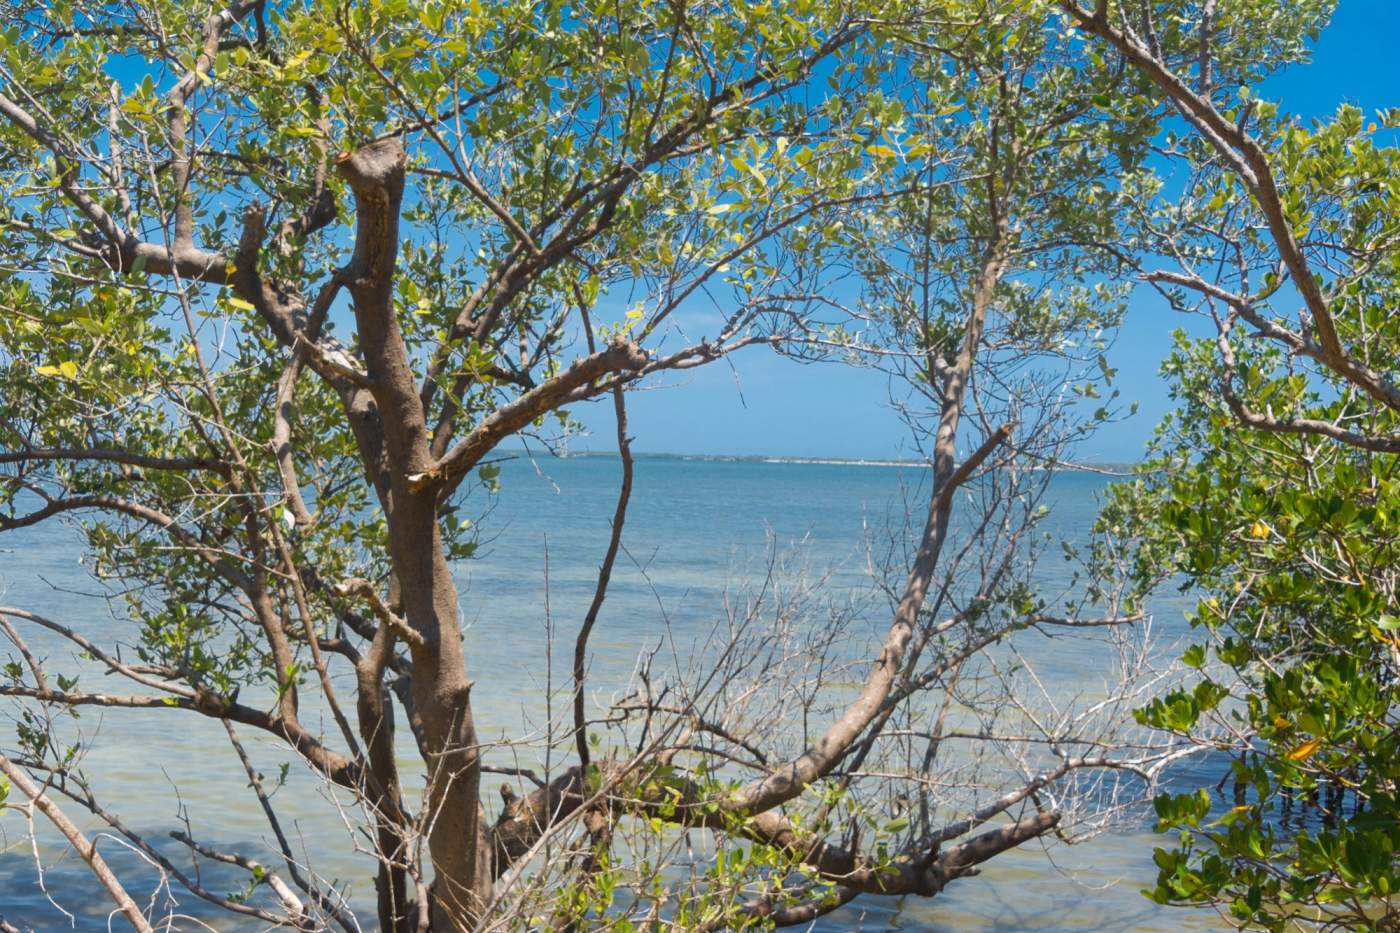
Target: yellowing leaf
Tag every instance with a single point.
(1305, 751)
(241, 304)
(1259, 530)
(67, 370)
(720, 208)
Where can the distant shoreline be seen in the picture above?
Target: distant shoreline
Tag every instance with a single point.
(1116, 469)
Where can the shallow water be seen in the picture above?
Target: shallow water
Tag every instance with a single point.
(695, 526)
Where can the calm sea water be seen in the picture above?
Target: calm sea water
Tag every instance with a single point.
(696, 526)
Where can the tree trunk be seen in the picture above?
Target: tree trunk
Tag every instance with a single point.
(440, 687)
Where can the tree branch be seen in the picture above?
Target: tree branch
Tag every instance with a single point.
(574, 382)
(86, 850)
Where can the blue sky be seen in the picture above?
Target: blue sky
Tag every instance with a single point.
(764, 404)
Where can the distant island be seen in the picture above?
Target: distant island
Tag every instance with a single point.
(1112, 468)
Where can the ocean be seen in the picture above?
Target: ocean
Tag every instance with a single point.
(700, 531)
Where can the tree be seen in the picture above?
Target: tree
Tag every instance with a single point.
(271, 477)
(1276, 496)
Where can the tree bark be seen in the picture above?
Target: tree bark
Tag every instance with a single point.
(440, 687)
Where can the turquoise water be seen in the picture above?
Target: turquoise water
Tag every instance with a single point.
(696, 529)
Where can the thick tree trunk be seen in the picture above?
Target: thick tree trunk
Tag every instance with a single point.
(426, 593)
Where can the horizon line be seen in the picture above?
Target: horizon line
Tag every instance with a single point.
(1115, 467)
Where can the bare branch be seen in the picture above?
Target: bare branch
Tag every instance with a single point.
(85, 848)
(357, 586)
(577, 380)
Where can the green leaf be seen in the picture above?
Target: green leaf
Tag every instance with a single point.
(745, 166)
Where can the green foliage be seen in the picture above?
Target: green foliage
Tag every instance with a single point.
(1293, 547)
(1290, 539)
